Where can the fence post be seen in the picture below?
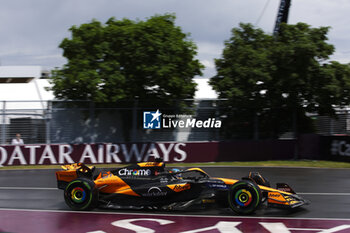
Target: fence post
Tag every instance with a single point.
(217, 116)
(256, 126)
(3, 126)
(92, 121)
(331, 128)
(48, 115)
(295, 132)
(134, 121)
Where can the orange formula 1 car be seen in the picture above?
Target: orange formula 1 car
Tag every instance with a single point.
(151, 185)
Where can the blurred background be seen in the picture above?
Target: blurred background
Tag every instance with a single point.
(268, 70)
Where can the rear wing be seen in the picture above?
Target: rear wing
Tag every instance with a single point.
(71, 172)
(75, 166)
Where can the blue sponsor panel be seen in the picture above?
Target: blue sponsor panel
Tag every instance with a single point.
(217, 185)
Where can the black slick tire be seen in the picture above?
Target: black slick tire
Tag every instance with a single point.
(244, 197)
(81, 194)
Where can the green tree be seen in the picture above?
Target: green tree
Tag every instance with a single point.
(120, 60)
(122, 63)
(278, 79)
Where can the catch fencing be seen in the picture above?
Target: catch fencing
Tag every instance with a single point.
(75, 122)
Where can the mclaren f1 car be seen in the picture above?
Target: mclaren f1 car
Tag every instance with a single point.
(151, 185)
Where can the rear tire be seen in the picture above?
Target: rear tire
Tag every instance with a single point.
(81, 194)
(244, 197)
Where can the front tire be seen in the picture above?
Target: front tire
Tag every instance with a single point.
(81, 194)
(244, 197)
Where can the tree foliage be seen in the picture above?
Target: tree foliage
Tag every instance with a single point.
(125, 59)
(279, 79)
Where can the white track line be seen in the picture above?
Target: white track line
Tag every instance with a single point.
(326, 194)
(46, 188)
(26, 188)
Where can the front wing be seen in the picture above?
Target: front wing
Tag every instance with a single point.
(276, 197)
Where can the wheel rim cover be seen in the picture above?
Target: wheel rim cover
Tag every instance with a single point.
(243, 197)
(78, 195)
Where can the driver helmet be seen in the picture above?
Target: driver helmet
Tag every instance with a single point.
(176, 170)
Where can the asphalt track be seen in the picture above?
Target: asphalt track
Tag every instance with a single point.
(327, 189)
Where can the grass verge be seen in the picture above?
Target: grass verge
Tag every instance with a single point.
(274, 163)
